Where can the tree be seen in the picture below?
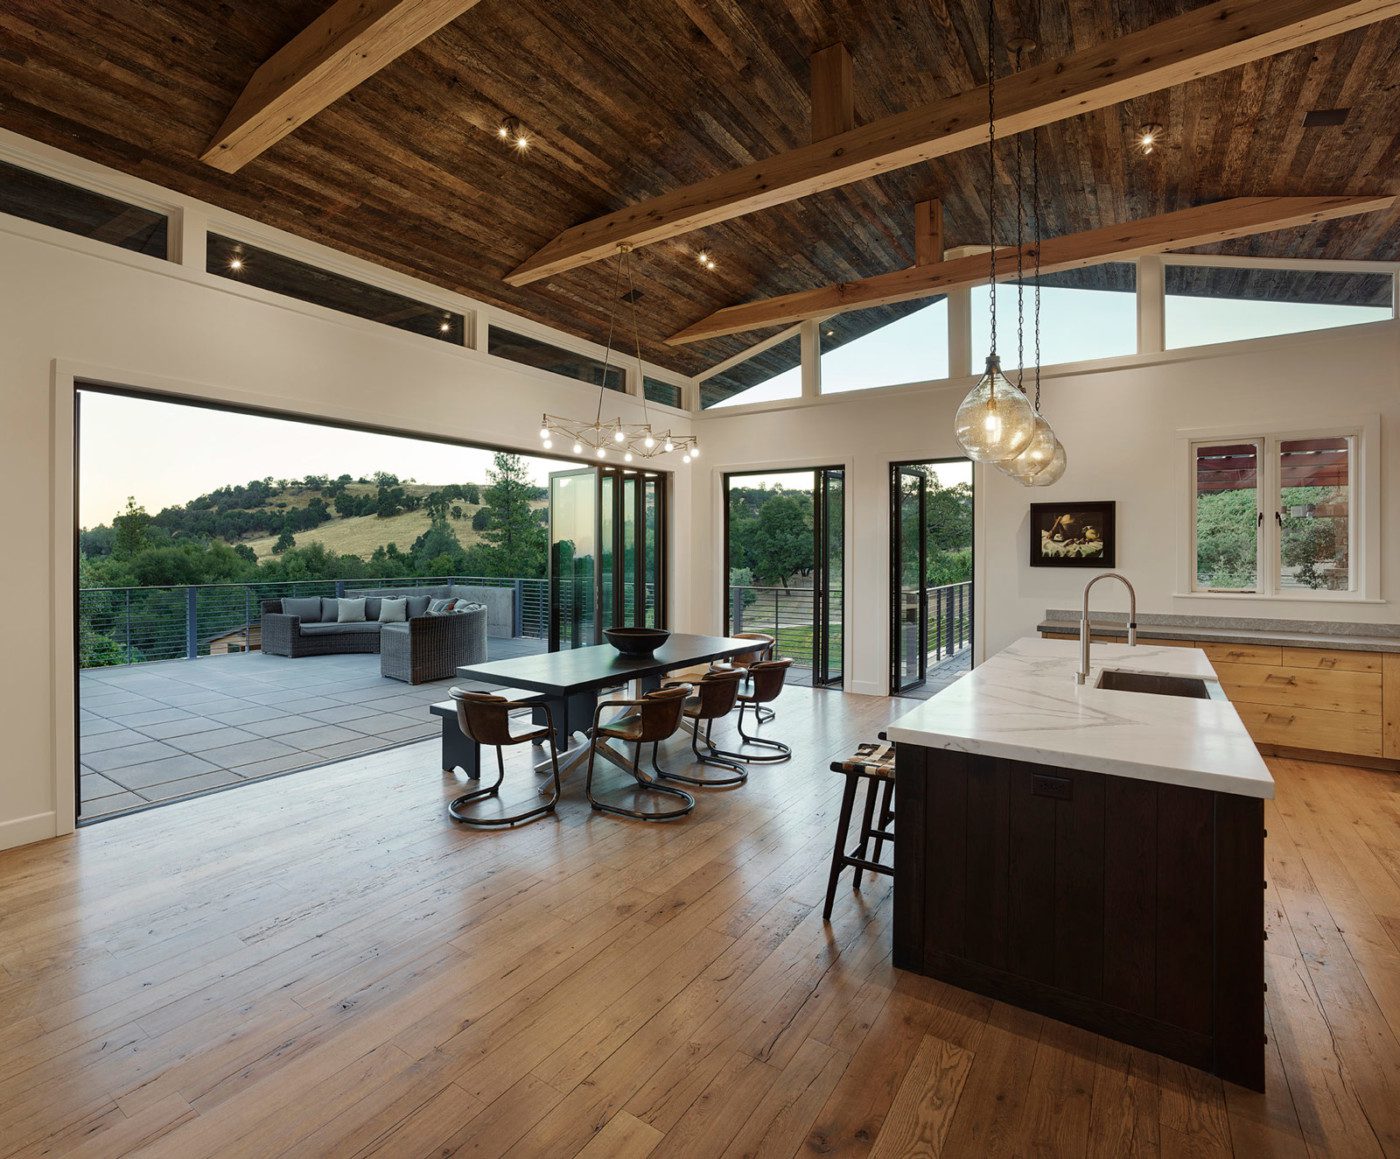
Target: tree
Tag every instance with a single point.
(285, 542)
(471, 493)
(482, 519)
(512, 529)
(438, 551)
(781, 540)
(457, 512)
(132, 529)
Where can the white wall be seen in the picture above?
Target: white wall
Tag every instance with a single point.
(70, 308)
(1120, 428)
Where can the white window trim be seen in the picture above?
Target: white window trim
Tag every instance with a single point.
(1364, 532)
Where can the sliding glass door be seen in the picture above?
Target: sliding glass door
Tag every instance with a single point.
(607, 553)
(785, 540)
(909, 594)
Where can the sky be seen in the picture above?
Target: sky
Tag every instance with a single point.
(1076, 325)
(165, 454)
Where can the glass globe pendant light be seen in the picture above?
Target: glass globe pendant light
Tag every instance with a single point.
(995, 421)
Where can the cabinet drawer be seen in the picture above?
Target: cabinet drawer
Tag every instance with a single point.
(1331, 660)
(1311, 728)
(1244, 654)
(1349, 692)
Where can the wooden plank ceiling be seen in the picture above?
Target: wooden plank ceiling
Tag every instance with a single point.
(626, 101)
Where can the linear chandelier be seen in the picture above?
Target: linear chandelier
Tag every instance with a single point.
(602, 437)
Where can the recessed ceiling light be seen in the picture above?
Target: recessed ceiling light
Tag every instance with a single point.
(1149, 137)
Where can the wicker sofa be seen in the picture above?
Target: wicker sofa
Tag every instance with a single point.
(417, 650)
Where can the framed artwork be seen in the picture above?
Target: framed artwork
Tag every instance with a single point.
(1073, 535)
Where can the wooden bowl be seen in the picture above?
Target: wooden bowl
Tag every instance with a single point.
(636, 641)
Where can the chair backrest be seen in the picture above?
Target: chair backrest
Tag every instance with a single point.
(718, 690)
(767, 677)
(763, 652)
(659, 712)
(484, 717)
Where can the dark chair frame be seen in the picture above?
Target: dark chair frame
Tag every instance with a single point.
(716, 693)
(485, 719)
(656, 717)
(747, 660)
(767, 678)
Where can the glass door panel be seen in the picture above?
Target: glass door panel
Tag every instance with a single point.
(651, 551)
(608, 525)
(573, 558)
(829, 575)
(908, 571)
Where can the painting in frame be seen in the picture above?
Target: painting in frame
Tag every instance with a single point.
(1074, 535)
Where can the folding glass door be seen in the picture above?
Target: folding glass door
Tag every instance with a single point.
(606, 553)
(785, 539)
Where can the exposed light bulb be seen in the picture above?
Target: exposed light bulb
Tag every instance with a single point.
(503, 132)
(703, 258)
(686, 457)
(602, 452)
(668, 446)
(522, 143)
(548, 444)
(627, 458)
(695, 451)
(618, 436)
(544, 432)
(444, 326)
(235, 264)
(578, 448)
(649, 442)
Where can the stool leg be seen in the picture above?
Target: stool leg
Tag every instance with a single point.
(867, 823)
(883, 817)
(848, 800)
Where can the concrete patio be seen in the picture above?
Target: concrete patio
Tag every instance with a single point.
(151, 733)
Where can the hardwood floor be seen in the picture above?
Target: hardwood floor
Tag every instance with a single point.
(323, 965)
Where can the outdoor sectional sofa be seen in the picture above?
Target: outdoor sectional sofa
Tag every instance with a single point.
(418, 650)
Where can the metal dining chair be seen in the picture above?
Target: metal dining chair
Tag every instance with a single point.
(485, 719)
(766, 680)
(716, 693)
(746, 660)
(648, 720)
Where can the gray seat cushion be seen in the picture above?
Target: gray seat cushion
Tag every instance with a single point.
(340, 629)
(417, 606)
(308, 608)
(397, 628)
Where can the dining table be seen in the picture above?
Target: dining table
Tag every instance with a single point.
(572, 681)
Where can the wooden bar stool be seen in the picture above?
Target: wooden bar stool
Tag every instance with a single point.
(650, 719)
(872, 763)
(485, 719)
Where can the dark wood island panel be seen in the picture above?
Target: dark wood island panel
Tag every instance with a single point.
(1131, 908)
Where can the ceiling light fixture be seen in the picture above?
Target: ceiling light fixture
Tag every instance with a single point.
(995, 421)
(512, 133)
(632, 440)
(1148, 138)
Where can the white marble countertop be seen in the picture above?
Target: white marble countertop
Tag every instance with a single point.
(1023, 704)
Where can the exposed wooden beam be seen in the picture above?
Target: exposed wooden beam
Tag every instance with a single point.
(833, 92)
(928, 232)
(1203, 225)
(348, 43)
(1211, 39)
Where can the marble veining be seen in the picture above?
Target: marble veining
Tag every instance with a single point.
(1023, 704)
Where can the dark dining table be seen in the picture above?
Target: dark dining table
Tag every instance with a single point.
(571, 681)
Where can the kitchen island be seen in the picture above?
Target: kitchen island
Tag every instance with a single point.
(1091, 853)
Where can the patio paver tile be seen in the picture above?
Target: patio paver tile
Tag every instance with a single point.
(250, 714)
(112, 804)
(159, 772)
(252, 772)
(176, 730)
(221, 736)
(339, 714)
(171, 789)
(246, 752)
(281, 725)
(349, 748)
(318, 738)
(128, 755)
(149, 716)
(95, 786)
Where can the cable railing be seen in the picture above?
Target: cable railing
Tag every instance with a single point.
(948, 611)
(788, 614)
(137, 625)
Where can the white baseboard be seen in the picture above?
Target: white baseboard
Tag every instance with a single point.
(24, 830)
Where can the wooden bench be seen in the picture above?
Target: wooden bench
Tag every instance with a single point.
(458, 750)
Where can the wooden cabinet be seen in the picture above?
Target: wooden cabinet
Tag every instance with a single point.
(1131, 908)
(1319, 700)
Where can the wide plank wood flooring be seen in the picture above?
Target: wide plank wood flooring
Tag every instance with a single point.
(322, 965)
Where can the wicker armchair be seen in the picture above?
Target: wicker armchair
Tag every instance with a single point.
(432, 647)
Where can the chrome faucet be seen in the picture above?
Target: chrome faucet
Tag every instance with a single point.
(1083, 674)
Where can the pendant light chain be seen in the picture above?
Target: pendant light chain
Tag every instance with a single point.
(992, 166)
(612, 325)
(1020, 266)
(1035, 214)
(637, 339)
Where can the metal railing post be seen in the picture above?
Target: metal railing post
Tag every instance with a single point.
(339, 588)
(518, 620)
(191, 623)
(736, 610)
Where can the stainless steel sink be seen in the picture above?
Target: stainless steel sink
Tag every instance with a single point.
(1191, 687)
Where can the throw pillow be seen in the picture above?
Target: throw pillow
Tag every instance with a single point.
(392, 611)
(308, 608)
(351, 611)
(417, 606)
(439, 607)
(466, 606)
